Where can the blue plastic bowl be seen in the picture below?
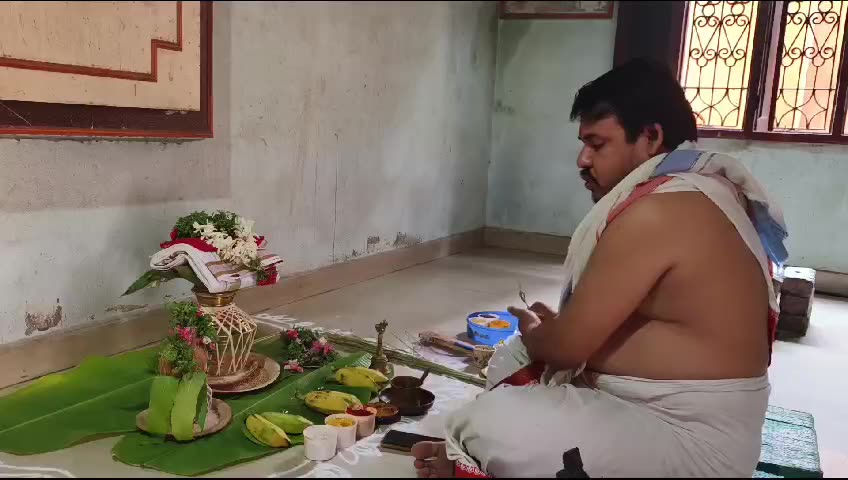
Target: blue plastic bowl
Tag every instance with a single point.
(491, 336)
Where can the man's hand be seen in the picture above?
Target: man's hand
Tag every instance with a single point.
(527, 320)
(543, 311)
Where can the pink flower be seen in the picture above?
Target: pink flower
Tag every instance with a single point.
(187, 334)
(200, 313)
(322, 348)
(293, 366)
(292, 334)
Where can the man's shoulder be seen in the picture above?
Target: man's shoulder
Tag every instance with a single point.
(671, 217)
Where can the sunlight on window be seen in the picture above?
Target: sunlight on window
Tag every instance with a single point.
(809, 57)
(716, 61)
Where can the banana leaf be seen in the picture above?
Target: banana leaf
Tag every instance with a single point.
(192, 387)
(230, 446)
(163, 392)
(99, 398)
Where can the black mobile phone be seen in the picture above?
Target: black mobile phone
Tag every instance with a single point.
(403, 441)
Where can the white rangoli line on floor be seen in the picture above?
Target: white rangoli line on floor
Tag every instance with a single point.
(36, 472)
(271, 317)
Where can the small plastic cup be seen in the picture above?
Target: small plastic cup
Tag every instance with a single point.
(366, 420)
(346, 435)
(320, 442)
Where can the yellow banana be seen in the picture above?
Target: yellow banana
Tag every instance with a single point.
(373, 374)
(291, 424)
(266, 432)
(355, 378)
(330, 402)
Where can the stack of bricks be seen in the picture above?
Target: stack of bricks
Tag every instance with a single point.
(796, 302)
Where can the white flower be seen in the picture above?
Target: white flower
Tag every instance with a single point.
(206, 340)
(244, 227)
(322, 341)
(242, 250)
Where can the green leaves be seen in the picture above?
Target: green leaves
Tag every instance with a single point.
(99, 398)
(151, 278)
(185, 406)
(223, 221)
(163, 392)
(230, 446)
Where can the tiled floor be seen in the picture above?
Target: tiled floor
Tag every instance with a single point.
(809, 375)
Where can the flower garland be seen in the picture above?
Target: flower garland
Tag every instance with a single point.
(303, 348)
(230, 234)
(190, 327)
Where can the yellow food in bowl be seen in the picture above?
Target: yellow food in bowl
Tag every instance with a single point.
(341, 422)
(499, 324)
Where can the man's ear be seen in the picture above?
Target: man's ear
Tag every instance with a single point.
(655, 138)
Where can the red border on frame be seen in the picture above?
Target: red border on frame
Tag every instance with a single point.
(152, 76)
(38, 119)
(552, 16)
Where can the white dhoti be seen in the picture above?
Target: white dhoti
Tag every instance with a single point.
(627, 427)
(631, 426)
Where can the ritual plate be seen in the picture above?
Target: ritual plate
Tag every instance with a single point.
(262, 371)
(219, 416)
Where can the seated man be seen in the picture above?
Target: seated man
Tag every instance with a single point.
(655, 362)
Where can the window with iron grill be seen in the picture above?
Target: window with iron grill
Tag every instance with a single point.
(758, 70)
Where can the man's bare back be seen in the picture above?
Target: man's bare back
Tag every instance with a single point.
(706, 317)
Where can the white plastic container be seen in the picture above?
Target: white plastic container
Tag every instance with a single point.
(320, 442)
(346, 435)
(366, 420)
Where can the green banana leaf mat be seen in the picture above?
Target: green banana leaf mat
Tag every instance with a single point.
(102, 396)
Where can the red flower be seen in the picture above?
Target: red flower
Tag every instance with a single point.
(200, 313)
(187, 334)
(174, 234)
(328, 349)
(271, 278)
(292, 334)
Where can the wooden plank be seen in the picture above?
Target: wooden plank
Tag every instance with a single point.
(527, 241)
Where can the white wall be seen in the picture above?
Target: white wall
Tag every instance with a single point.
(533, 180)
(335, 123)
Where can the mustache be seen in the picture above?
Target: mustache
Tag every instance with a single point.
(587, 176)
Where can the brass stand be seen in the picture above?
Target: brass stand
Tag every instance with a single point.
(380, 361)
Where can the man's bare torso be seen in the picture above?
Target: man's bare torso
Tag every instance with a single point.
(706, 318)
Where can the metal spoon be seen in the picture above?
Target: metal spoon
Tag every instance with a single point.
(522, 295)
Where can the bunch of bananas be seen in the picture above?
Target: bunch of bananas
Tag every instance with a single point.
(361, 377)
(272, 429)
(329, 402)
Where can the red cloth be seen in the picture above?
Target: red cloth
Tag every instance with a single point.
(464, 471)
(199, 243)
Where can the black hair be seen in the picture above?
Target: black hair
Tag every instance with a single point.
(639, 93)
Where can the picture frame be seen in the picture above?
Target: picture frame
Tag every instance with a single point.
(44, 119)
(562, 10)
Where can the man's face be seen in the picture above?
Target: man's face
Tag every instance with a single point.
(607, 157)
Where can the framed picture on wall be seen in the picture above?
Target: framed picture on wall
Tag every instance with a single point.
(134, 69)
(556, 10)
